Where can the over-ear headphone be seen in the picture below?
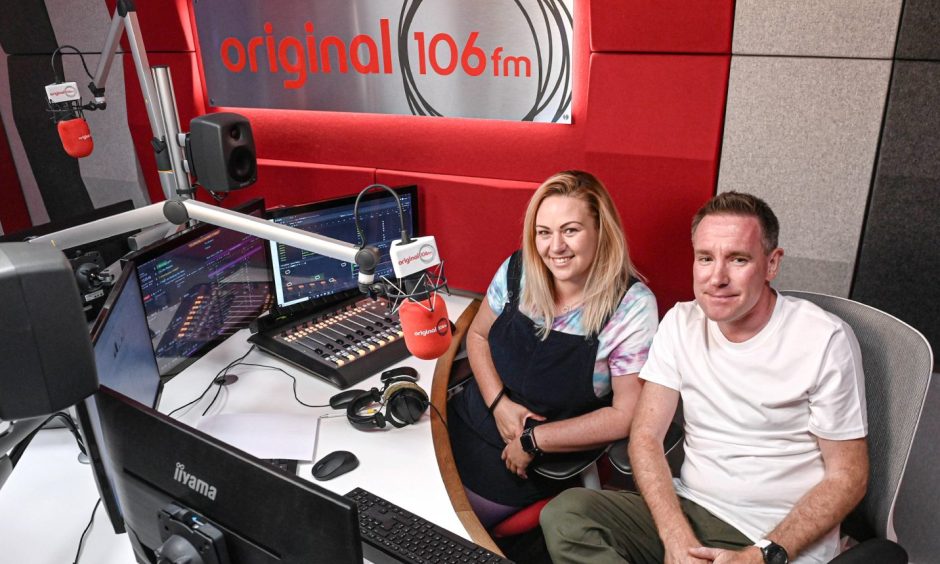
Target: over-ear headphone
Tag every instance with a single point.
(403, 401)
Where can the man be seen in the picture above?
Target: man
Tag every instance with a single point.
(774, 405)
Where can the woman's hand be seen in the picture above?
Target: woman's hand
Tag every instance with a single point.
(510, 419)
(517, 460)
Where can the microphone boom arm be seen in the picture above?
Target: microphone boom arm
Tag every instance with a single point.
(170, 166)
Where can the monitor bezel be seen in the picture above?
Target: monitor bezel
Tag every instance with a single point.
(147, 480)
(82, 408)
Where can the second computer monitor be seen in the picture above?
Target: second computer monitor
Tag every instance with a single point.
(200, 287)
(303, 275)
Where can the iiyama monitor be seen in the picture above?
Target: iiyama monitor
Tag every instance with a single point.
(302, 275)
(176, 482)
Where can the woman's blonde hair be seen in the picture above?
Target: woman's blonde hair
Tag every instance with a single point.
(610, 272)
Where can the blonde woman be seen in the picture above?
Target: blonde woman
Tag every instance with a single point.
(555, 348)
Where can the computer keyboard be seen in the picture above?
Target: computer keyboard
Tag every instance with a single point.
(390, 534)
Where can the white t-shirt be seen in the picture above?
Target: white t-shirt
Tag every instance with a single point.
(753, 410)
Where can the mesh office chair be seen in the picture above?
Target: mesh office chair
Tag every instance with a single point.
(898, 364)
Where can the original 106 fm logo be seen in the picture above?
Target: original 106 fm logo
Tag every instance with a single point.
(295, 56)
(299, 57)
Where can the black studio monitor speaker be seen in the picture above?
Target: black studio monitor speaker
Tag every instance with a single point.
(46, 359)
(221, 152)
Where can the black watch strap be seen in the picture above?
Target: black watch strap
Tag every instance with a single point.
(527, 438)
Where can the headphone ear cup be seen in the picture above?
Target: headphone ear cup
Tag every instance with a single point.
(361, 401)
(406, 406)
(400, 374)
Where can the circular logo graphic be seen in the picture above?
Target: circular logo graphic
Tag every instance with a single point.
(443, 326)
(426, 254)
(547, 59)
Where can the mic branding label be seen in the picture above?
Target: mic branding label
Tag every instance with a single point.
(443, 325)
(62, 92)
(192, 482)
(425, 254)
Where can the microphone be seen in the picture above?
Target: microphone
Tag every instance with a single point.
(76, 137)
(423, 312)
(426, 326)
(65, 104)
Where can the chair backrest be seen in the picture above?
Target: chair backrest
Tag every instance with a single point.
(898, 363)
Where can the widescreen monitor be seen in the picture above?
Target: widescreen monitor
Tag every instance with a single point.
(125, 363)
(201, 286)
(162, 467)
(303, 275)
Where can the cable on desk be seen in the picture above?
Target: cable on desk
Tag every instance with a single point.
(215, 380)
(81, 541)
(291, 376)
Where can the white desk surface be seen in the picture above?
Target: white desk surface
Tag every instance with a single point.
(46, 502)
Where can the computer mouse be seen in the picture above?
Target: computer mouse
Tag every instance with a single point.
(344, 398)
(334, 464)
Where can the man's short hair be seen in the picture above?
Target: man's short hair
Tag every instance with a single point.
(740, 203)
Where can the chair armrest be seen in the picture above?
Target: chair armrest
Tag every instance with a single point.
(561, 466)
(620, 458)
(882, 551)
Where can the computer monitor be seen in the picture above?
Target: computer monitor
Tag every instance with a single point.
(201, 286)
(125, 363)
(302, 275)
(174, 480)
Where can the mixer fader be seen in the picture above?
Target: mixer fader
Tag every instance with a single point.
(343, 344)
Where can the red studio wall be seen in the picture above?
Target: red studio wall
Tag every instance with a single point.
(650, 81)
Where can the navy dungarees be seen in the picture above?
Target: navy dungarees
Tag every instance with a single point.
(552, 377)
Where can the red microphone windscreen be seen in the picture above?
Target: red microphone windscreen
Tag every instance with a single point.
(76, 138)
(427, 333)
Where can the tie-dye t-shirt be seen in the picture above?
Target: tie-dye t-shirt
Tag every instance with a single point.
(624, 343)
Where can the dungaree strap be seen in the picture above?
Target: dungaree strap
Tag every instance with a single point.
(514, 278)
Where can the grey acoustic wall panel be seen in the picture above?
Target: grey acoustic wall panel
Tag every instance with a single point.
(919, 36)
(802, 134)
(83, 24)
(900, 253)
(111, 173)
(831, 28)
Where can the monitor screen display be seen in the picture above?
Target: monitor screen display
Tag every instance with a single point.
(173, 480)
(302, 275)
(201, 286)
(125, 363)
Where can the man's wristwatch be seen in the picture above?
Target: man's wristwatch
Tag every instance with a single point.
(773, 552)
(528, 442)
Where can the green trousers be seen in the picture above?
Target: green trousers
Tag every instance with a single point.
(582, 525)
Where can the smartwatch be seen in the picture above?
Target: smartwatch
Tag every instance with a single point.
(773, 552)
(528, 442)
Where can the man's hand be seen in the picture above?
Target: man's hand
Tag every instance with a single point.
(750, 555)
(510, 419)
(517, 460)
